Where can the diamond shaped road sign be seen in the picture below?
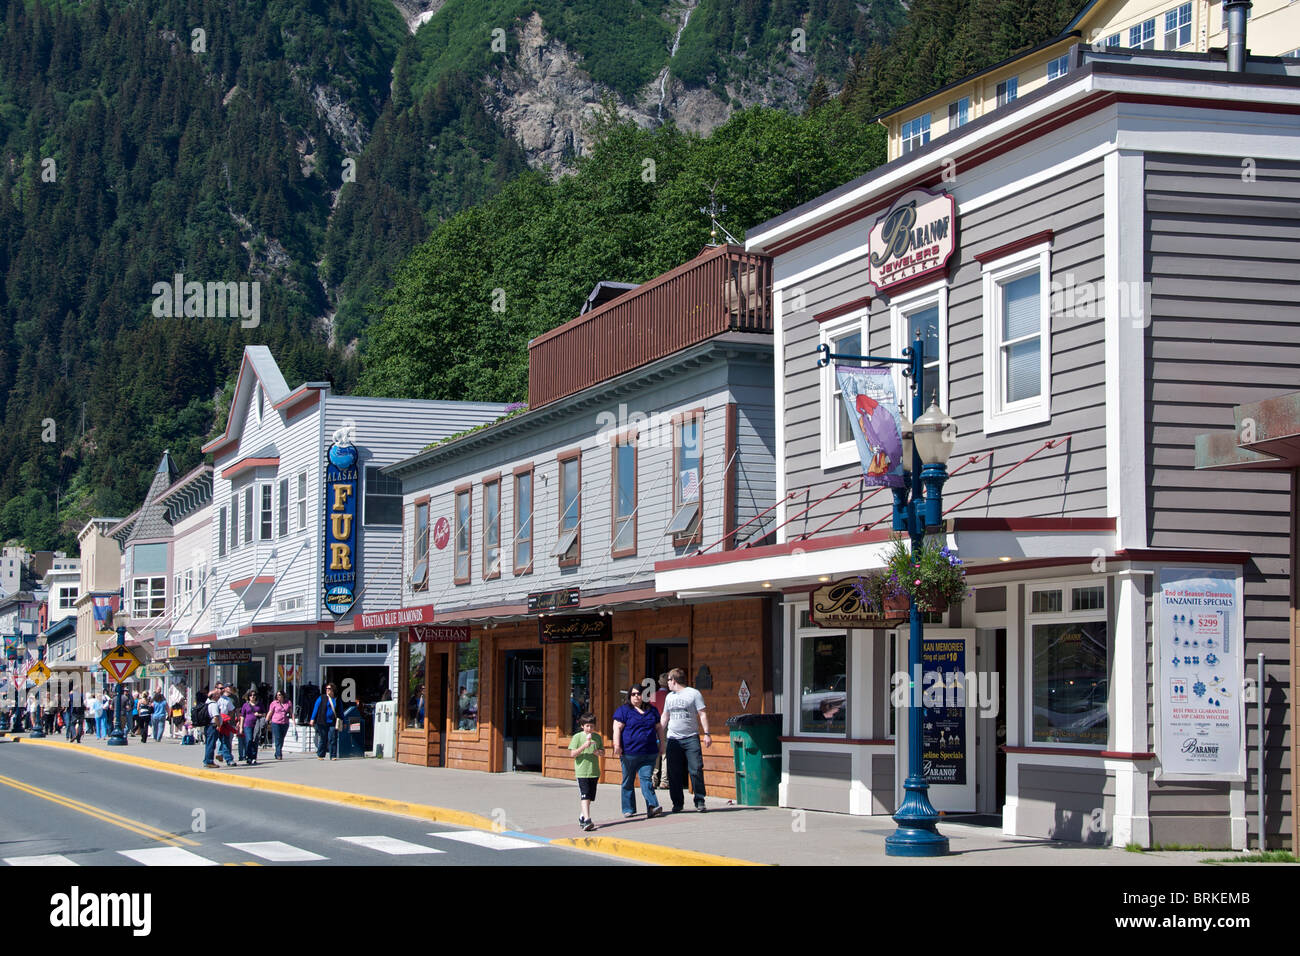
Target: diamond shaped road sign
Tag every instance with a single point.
(38, 674)
(120, 663)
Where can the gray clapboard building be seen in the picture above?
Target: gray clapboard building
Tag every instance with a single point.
(1101, 269)
(531, 544)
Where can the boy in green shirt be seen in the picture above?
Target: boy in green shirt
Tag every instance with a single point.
(585, 748)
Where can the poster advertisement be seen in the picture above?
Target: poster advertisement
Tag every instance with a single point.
(872, 406)
(943, 717)
(1200, 683)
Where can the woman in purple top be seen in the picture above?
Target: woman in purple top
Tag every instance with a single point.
(637, 742)
(248, 716)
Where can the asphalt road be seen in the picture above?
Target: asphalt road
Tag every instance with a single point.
(61, 808)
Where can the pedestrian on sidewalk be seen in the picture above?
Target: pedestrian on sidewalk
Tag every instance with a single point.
(585, 748)
(77, 707)
(638, 740)
(683, 718)
(278, 715)
(143, 715)
(227, 722)
(659, 778)
(51, 711)
(325, 717)
(207, 716)
(251, 721)
(177, 726)
(158, 715)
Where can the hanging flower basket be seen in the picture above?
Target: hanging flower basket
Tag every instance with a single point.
(882, 598)
(932, 575)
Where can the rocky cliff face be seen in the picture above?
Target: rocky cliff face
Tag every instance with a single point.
(548, 101)
(416, 12)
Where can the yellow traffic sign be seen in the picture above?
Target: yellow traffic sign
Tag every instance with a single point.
(120, 663)
(38, 674)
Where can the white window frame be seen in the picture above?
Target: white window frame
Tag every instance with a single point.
(1009, 92)
(957, 104)
(1061, 66)
(300, 499)
(1065, 616)
(920, 136)
(900, 308)
(797, 724)
(1138, 32)
(1176, 16)
(152, 594)
(845, 453)
(1000, 416)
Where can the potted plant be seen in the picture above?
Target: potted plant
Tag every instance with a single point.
(881, 595)
(932, 575)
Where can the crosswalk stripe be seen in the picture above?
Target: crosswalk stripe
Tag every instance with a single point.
(277, 852)
(389, 845)
(490, 841)
(48, 859)
(166, 856)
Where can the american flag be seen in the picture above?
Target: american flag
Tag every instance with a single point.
(690, 485)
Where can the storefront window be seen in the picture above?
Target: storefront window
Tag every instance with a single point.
(415, 706)
(1070, 682)
(579, 682)
(823, 676)
(467, 685)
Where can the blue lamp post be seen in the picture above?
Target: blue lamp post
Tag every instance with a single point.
(118, 737)
(918, 505)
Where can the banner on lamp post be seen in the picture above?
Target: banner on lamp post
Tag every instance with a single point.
(871, 405)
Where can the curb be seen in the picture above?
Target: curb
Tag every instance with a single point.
(609, 846)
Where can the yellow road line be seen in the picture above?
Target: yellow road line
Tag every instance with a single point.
(610, 846)
(105, 816)
(649, 852)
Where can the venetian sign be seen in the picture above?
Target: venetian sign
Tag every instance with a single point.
(575, 628)
(342, 486)
(439, 633)
(915, 238)
(838, 604)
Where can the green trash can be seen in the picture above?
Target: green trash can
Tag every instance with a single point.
(756, 746)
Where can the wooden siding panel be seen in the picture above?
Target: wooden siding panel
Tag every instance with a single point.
(1069, 481)
(1225, 330)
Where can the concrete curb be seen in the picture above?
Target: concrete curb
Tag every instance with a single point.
(609, 846)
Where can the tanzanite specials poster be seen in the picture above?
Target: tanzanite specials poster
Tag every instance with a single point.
(1199, 690)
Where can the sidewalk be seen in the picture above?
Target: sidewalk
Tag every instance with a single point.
(545, 808)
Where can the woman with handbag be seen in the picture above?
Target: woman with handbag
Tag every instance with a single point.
(326, 718)
(250, 716)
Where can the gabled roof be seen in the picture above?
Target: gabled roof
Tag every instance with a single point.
(259, 368)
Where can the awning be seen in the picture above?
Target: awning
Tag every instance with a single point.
(1265, 437)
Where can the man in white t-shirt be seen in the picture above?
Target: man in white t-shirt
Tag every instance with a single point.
(683, 718)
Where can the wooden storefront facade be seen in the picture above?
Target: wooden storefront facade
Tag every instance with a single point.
(723, 640)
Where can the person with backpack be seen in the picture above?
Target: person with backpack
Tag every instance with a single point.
(325, 715)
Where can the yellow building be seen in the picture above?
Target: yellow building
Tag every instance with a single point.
(1189, 26)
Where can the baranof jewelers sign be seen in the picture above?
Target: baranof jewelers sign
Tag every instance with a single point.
(915, 238)
(1199, 691)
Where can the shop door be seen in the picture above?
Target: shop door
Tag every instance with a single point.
(523, 725)
(991, 735)
(439, 702)
(370, 682)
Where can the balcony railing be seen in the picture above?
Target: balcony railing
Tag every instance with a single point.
(724, 289)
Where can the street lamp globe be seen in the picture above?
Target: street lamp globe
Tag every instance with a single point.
(935, 434)
(905, 429)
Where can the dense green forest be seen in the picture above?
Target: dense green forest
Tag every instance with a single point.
(353, 171)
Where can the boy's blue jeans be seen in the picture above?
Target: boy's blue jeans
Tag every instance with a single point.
(637, 767)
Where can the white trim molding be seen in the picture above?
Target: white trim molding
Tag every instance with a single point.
(999, 414)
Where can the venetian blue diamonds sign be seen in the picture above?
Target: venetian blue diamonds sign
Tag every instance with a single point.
(342, 490)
